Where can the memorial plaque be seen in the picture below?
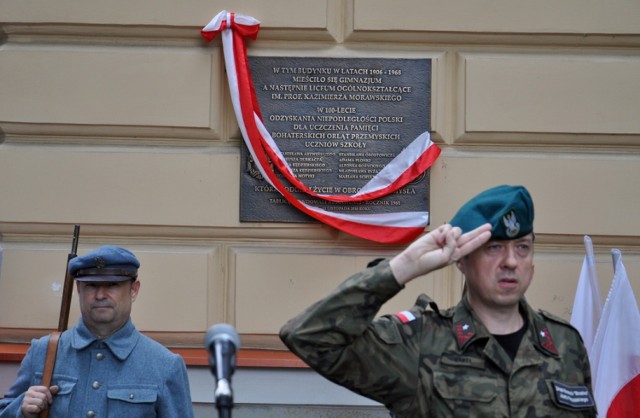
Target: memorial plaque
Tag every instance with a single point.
(338, 122)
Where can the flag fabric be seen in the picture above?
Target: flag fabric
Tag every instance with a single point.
(587, 304)
(615, 355)
(418, 156)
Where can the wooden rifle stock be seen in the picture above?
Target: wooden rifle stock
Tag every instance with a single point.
(67, 289)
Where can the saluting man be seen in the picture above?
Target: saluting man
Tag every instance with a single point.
(104, 366)
(491, 355)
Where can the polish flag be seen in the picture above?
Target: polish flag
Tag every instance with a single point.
(587, 304)
(615, 355)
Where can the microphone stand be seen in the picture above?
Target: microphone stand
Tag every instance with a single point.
(223, 394)
(222, 341)
(224, 400)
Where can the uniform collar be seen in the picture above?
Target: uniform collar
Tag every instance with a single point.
(467, 328)
(543, 338)
(121, 342)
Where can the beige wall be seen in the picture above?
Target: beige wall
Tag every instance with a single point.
(116, 116)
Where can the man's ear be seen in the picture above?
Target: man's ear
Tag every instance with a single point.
(135, 288)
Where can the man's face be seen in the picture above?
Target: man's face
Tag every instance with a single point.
(498, 273)
(106, 306)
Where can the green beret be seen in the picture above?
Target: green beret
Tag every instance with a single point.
(105, 264)
(509, 210)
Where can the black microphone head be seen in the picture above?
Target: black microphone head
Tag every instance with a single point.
(222, 332)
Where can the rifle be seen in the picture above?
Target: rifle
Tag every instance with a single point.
(67, 289)
(65, 306)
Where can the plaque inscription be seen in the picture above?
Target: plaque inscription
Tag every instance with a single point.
(338, 122)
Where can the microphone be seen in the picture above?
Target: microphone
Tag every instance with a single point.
(222, 342)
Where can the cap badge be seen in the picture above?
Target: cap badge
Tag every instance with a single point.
(511, 224)
(100, 263)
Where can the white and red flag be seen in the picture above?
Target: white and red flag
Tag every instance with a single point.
(587, 304)
(419, 155)
(615, 355)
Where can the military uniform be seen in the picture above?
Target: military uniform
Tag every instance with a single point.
(427, 362)
(125, 375)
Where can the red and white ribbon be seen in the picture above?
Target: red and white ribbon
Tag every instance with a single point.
(410, 163)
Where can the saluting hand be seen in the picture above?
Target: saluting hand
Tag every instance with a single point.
(37, 399)
(440, 247)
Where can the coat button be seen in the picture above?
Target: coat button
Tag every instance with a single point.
(99, 356)
(91, 414)
(96, 385)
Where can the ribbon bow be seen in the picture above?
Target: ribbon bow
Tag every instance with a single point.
(246, 26)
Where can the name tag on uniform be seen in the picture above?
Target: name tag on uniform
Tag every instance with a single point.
(574, 397)
(453, 359)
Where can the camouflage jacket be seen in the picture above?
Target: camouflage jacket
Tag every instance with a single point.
(440, 363)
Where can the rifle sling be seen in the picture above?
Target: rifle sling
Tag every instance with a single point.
(50, 362)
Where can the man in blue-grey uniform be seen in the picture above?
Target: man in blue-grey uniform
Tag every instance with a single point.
(104, 366)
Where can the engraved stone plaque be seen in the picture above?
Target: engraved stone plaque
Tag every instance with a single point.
(338, 122)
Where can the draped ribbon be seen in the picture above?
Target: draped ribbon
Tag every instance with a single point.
(410, 163)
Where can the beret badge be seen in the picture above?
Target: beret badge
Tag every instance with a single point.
(511, 224)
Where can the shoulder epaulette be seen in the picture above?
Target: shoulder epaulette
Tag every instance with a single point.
(554, 318)
(423, 302)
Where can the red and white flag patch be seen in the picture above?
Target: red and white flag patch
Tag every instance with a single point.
(405, 316)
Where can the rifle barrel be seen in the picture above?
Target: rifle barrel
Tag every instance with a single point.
(67, 288)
